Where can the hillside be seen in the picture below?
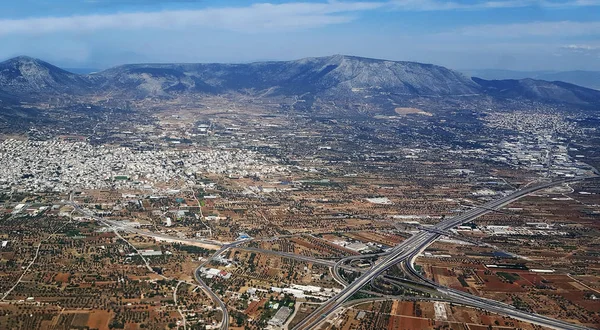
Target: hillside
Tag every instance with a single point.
(588, 79)
(539, 90)
(26, 77)
(347, 81)
(323, 76)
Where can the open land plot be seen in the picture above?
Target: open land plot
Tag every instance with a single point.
(552, 294)
(421, 315)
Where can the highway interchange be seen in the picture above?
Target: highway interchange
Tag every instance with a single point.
(404, 254)
(413, 246)
(225, 315)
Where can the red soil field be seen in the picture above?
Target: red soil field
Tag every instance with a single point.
(98, 319)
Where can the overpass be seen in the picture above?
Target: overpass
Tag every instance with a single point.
(410, 248)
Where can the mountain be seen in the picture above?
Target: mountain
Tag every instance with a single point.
(26, 77)
(7, 99)
(589, 79)
(540, 90)
(333, 75)
(349, 83)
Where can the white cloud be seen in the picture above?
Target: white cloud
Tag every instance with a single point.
(533, 29)
(432, 5)
(581, 49)
(253, 18)
(436, 5)
(257, 17)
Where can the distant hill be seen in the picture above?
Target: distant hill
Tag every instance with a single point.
(27, 77)
(589, 79)
(539, 90)
(348, 82)
(333, 75)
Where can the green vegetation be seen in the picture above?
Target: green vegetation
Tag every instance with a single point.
(510, 277)
(322, 184)
(360, 295)
(73, 233)
(520, 304)
(239, 318)
(193, 249)
(251, 265)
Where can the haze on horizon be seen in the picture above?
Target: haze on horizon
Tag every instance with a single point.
(501, 34)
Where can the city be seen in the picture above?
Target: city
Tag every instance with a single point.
(232, 230)
(299, 165)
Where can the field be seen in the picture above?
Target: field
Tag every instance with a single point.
(408, 111)
(408, 315)
(98, 319)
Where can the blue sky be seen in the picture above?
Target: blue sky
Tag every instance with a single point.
(460, 34)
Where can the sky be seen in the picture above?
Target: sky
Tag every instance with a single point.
(522, 35)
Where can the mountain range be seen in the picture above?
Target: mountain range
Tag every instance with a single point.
(345, 80)
(589, 79)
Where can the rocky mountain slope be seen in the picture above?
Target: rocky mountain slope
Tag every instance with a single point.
(340, 79)
(26, 77)
(324, 75)
(540, 90)
(588, 79)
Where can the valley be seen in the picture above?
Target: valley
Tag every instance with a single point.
(245, 196)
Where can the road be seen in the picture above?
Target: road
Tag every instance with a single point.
(37, 253)
(341, 264)
(216, 299)
(406, 251)
(179, 308)
(329, 263)
(223, 247)
(124, 227)
(466, 299)
(208, 290)
(413, 246)
(115, 226)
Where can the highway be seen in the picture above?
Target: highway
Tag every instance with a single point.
(208, 290)
(466, 299)
(216, 299)
(341, 264)
(328, 263)
(117, 225)
(405, 252)
(323, 262)
(160, 237)
(417, 243)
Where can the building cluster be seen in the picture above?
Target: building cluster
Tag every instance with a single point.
(532, 229)
(539, 143)
(542, 154)
(62, 166)
(358, 246)
(524, 121)
(304, 291)
(214, 272)
(521, 231)
(280, 317)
